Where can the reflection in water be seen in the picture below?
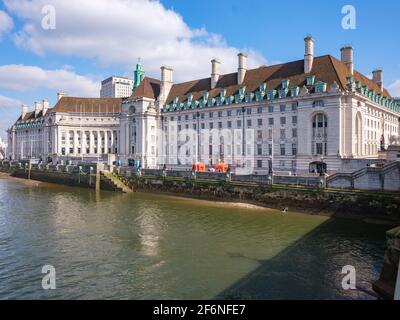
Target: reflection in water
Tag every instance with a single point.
(107, 245)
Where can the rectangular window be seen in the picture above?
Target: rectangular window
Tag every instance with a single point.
(259, 150)
(294, 133)
(271, 109)
(219, 114)
(259, 134)
(271, 121)
(294, 149)
(283, 150)
(260, 110)
(229, 124)
(270, 149)
(202, 116)
(203, 126)
(294, 120)
(295, 106)
(219, 125)
(283, 120)
(239, 112)
(282, 108)
(249, 110)
(319, 149)
(249, 123)
(229, 113)
(259, 164)
(259, 122)
(239, 123)
(211, 115)
(283, 134)
(211, 125)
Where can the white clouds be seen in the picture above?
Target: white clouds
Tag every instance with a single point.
(6, 23)
(29, 78)
(394, 88)
(117, 32)
(8, 103)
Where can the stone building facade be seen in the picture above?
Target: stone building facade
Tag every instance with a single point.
(313, 114)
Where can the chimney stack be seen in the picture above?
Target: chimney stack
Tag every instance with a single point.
(242, 67)
(24, 111)
(377, 77)
(46, 106)
(215, 72)
(347, 58)
(60, 95)
(166, 83)
(38, 108)
(308, 54)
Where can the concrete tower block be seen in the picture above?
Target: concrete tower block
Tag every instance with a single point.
(242, 68)
(308, 54)
(347, 58)
(215, 72)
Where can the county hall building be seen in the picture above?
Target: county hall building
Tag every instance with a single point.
(293, 117)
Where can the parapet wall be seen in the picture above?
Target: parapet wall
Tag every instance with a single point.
(311, 200)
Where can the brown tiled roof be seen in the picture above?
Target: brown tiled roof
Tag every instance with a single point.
(87, 105)
(30, 116)
(148, 88)
(325, 68)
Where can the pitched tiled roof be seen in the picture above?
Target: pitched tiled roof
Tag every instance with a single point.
(87, 105)
(148, 88)
(325, 68)
(30, 116)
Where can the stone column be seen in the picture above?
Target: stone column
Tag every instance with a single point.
(91, 138)
(106, 142)
(112, 141)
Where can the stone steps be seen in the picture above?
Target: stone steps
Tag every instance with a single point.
(117, 182)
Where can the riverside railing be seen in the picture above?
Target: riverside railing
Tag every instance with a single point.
(300, 181)
(91, 169)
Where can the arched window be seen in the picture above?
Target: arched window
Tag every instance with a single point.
(319, 134)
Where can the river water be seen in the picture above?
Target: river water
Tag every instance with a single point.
(106, 245)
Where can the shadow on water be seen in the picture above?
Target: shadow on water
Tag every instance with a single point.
(315, 263)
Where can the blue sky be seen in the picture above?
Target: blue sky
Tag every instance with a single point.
(95, 39)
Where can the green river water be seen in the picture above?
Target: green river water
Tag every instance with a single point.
(107, 245)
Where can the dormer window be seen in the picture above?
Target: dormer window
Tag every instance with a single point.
(294, 91)
(320, 87)
(310, 80)
(262, 87)
(283, 93)
(271, 94)
(260, 96)
(230, 100)
(249, 97)
(285, 84)
(205, 96)
(211, 102)
(241, 95)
